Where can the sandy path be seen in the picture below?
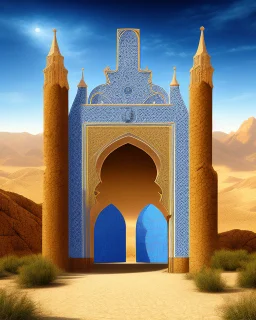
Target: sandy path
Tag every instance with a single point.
(152, 295)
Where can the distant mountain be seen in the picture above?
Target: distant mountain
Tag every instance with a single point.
(21, 149)
(237, 149)
(21, 142)
(246, 134)
(35, 153)
(219, 135)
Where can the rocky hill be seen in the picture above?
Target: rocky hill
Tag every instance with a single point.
(20, 225)
(237, 239)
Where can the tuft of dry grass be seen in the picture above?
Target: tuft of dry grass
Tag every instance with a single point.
(229, 260)
(242, 308)
(208, 280)
(247, 277)
(16, 306)
(39, 272)
(11, 263)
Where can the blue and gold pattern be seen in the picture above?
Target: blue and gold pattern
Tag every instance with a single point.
(128, 97)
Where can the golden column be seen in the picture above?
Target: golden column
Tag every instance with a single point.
(55, 205)
(203, 179)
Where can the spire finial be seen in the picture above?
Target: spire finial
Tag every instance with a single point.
(54, 48)
(174, 82)
(82, 83)
(202, 69)
(201, 47)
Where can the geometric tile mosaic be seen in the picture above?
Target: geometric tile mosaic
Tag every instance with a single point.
(148, 103)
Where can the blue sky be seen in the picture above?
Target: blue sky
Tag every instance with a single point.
(87, 38)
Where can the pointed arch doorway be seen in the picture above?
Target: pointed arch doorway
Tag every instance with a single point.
(128, 170)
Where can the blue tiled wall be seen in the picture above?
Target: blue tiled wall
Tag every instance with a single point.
(128, 85)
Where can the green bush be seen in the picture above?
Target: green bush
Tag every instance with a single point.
(208, 280)
(39, 272)
(14, 306)
(247, 277)
(242, 308)
(11, 263)
(229, 260)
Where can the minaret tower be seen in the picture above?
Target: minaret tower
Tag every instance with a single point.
(55, 205)
(203, 179)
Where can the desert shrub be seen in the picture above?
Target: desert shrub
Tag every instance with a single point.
(252, 256)
(14, 306)
(39, 272)
(3, 273)
(229, 260)
(30, 258)
(208, 280)
(189, 276)
(247, 277)
(242, 308)
(11, 263)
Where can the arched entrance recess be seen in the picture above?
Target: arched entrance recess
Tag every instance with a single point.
(127, 174)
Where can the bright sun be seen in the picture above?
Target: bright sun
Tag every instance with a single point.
(37, 29)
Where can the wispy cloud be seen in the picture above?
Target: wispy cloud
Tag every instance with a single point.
(236, 11)
(67, 36)
(218, 51)
(181, 54)
(242, 48)
(156, 42)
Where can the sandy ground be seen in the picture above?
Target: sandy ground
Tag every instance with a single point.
(128, 292)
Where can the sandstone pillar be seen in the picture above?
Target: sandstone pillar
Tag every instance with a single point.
(203, 179)
(55, 205)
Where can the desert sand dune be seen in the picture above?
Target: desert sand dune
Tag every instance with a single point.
(27, 182)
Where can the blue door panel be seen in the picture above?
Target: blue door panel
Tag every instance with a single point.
(151, 236)
(110, 236)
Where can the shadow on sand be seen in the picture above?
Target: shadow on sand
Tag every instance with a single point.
(58, 318)
(108, 268)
